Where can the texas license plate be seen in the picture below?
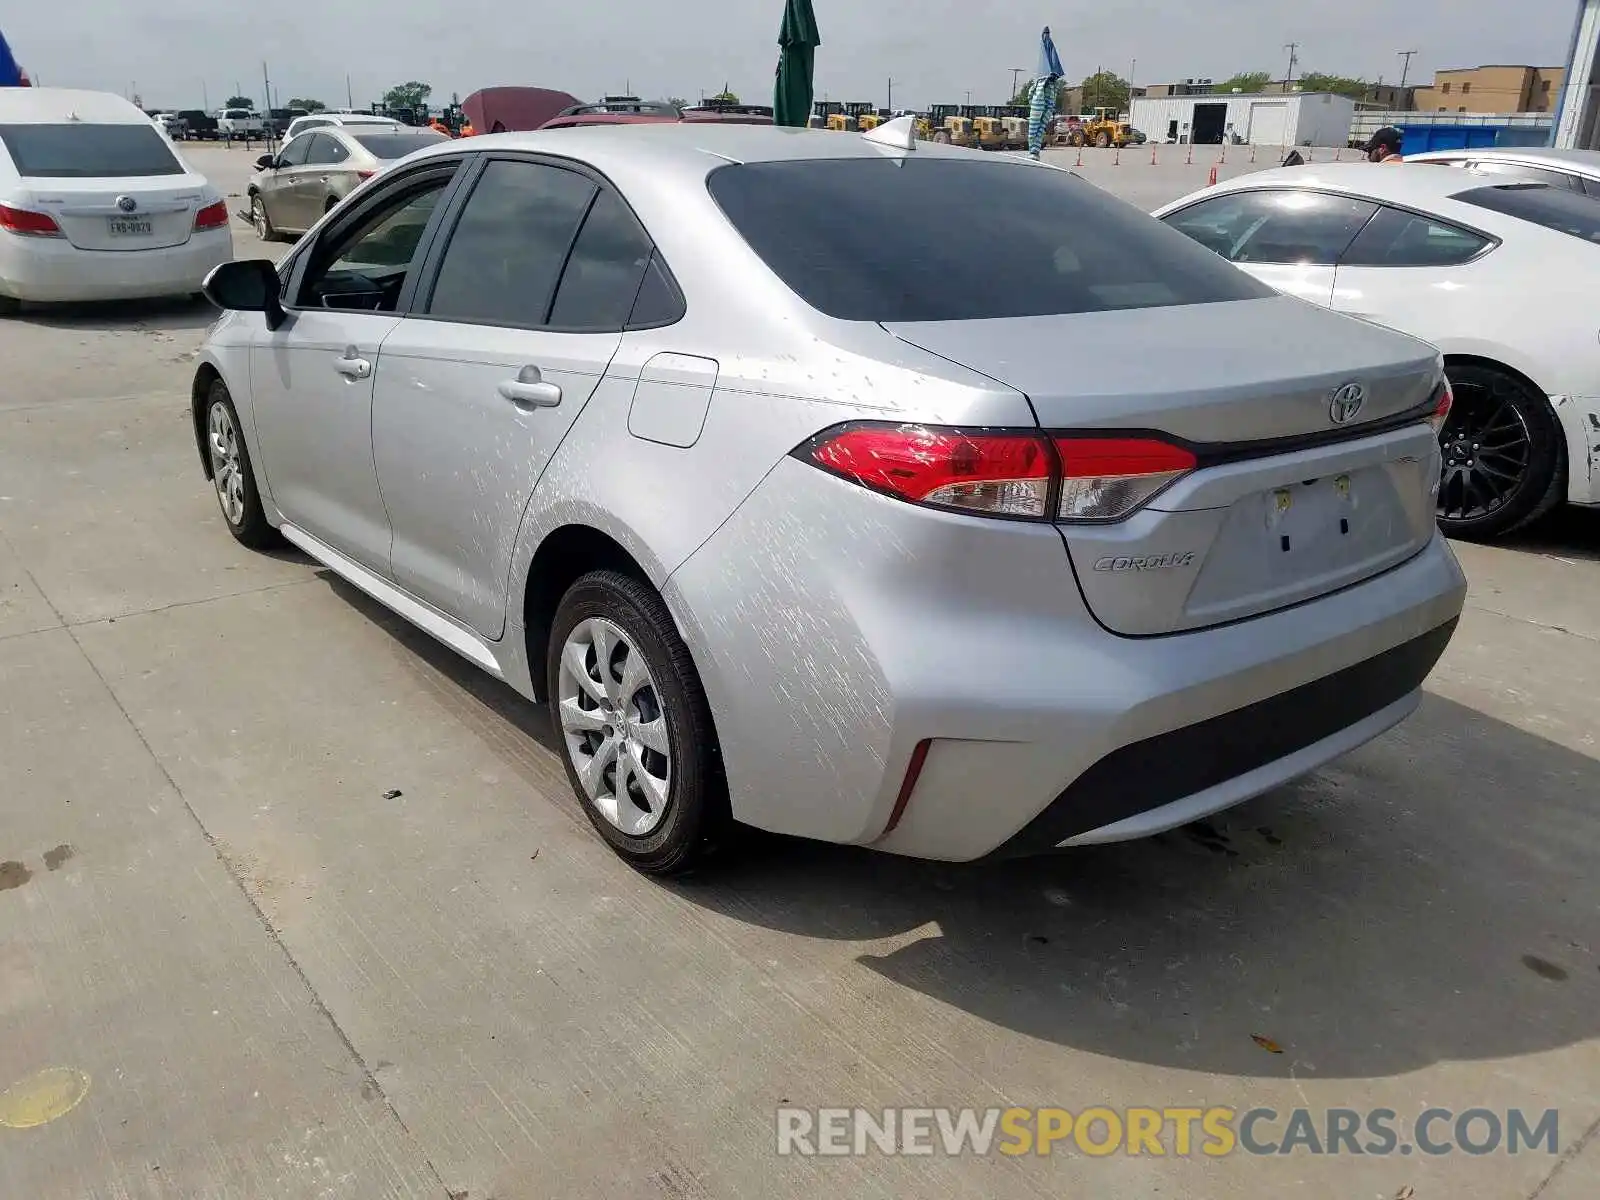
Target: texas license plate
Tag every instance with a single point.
(131, 226)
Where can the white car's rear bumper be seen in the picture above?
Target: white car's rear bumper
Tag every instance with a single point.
(1580, 421)
(52, 270)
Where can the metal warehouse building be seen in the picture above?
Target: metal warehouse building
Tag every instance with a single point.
(1291, 119)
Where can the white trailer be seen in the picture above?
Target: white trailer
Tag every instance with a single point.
(1264, 119)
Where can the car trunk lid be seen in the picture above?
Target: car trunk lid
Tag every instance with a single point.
(1297, 491)
(121, 214)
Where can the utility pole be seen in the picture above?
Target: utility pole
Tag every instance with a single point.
(891, 95)
(969, 97)
(1015, 71)
(349, 93)
(205, 97)
(1291, 47)
(1405, 70)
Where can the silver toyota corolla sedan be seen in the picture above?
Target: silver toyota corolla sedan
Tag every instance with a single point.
(808, 501)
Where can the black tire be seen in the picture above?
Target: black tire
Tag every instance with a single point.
(1505, 462)
(249, 523)
(261, 220)
(1103, 140)
(694, 817)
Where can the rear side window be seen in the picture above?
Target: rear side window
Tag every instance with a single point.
(1279, 225)
(947, 239)
(1556, 179)
(504, 258)
(325, 150)
(1572, 213)
(397, 145)
(603, 273)
(1401, 239)
(79, 151)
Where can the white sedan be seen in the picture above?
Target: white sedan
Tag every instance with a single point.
(1499, 274)
(96, 204)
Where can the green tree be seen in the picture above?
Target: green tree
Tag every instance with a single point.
(725, 96)
(1024, 96)
(311, 106)
(677, 102)
(1244, 81)
(1343, 85)
(1105, 89)
(240, 102)
(412, 94)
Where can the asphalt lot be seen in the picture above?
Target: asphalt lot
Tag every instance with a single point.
(301, 905)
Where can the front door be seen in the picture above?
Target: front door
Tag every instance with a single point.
(276, 187)
(312, 379)
(527, 307)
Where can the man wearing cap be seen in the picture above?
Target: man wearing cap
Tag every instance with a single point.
(1384, 146)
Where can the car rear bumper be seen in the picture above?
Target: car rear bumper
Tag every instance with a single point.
(1580, 422)
(52, 270)
(838, 631)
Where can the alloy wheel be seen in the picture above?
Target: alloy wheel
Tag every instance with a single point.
(1486, 447)
(258, 218)
(614, 726)
(227, 470)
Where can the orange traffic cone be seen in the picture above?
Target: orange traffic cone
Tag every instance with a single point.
(1189, 162)
(1212, 180)
(1116, 159)
(1152, 154)
(1080, 156)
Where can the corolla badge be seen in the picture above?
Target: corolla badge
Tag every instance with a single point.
(127, 203)
(1346, 402)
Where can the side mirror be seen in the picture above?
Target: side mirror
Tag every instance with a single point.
(267, 162)
(247, 285)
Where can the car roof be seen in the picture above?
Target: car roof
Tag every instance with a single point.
(699, 146)
(1404, 183)
(1586, 161)
(57, 106)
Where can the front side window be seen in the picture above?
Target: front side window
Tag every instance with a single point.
(504, 257)
(82, 151)
(1571, 213)
(294, 151)
(898, 239)
(1277, 225)
(1401, 239)
(364, 266)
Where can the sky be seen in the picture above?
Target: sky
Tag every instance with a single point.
(186, 53)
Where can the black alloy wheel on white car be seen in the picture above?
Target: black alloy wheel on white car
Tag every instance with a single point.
(634, 724)
(1504, 461)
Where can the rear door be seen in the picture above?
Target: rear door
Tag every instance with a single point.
(1289, 238)
(109, 187)
(322, 177)
(511, 336)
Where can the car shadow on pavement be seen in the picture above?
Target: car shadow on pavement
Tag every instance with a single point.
(1429, 898)
(1568, 532)
(179, 313)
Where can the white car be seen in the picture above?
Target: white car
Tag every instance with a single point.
(95, 204)
(240, 123)
(1576, 170)
(328, 120)
(1499, 274)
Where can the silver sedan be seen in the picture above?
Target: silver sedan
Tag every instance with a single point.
(800, 509)
(315, 170)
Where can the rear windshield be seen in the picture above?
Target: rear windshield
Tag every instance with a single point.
(944, 239)
(1555, 208)
(396, 145)
(88, 151)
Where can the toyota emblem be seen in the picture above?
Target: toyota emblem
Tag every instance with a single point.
(127, 203)
(1346, 402)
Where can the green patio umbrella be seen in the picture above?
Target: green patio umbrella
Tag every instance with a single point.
(797, 41)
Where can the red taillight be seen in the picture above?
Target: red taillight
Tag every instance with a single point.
(26, 221)
(996, 474)
(1106, 479)
(1009, 473)
(212, 216)
(1445, 397)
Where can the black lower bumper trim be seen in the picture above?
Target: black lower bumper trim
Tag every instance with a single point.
(1160, 770)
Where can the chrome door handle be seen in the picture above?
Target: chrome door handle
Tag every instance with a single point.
(352, 365)
(529, 390)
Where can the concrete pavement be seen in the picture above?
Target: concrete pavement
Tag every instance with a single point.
(293, 903)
